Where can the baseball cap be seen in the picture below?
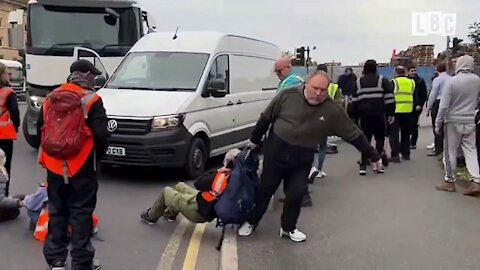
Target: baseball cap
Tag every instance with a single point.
(84, 66)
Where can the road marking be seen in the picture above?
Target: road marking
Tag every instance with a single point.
(168, 256)
(193, 247)
(229, 251)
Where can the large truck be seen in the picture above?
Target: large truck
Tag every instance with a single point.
(108, 28)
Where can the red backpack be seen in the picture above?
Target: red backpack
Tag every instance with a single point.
(64, 131)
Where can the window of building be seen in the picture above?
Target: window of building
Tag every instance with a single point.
(1, 23)
(1, 42)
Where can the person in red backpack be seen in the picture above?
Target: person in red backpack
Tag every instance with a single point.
(9, 119)
(73, 128)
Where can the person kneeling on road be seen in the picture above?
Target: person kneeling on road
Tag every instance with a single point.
(196, 204)
(301, 117)
(9, 206)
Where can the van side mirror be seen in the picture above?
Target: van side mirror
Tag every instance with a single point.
(216, 88)
(100, 81)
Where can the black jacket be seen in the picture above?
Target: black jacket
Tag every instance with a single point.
(204, 183)
(373, 102)
(420, 96)
(346, 83)
(97, 121)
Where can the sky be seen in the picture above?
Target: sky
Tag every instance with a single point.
(346, 31)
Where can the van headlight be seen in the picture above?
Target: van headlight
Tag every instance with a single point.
(36, 102)
(167, 122)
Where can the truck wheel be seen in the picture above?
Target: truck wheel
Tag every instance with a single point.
(32, 140)
(196, 159)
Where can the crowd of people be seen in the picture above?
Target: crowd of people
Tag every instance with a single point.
(291, 133)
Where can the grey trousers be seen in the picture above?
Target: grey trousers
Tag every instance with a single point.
(456, 136)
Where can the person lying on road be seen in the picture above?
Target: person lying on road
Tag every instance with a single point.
(196, 204)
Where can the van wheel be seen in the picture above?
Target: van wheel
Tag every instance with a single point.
(197, 156)
(33, 141)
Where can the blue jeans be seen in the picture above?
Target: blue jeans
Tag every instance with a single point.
(319, 157)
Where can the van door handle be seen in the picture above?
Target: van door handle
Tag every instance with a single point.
(239, 102)
(230, 103)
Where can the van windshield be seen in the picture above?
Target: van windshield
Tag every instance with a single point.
(159, 71)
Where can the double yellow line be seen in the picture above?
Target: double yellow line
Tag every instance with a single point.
(170, 252)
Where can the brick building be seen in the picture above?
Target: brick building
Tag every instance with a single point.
(6, 6)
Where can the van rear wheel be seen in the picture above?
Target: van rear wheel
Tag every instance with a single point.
(196, 159)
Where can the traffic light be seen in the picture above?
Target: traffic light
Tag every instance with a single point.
(455, 43)
(300, 55)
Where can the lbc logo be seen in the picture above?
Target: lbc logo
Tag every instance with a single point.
(433, 23)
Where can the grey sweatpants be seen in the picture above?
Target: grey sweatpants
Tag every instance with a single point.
(456, 136)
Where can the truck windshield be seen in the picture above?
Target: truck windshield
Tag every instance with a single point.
(159, 71)
(17, 74)
(56, 30)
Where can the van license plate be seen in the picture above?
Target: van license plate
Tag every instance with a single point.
(116, 151)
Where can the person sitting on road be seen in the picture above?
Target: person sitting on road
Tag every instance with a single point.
(9, 206)
(196, 204)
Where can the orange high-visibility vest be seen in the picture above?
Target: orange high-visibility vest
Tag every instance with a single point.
(41, 230)
(7, 129)
(71, 166)
(218, 186)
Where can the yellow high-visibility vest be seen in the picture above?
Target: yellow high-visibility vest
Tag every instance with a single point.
(403, 90)
(332, 90)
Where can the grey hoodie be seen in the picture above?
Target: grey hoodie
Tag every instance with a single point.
(460, 95)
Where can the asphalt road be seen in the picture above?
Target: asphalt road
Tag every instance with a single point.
(125, 242)
(392, 221)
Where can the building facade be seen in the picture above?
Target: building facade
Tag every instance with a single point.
(6, 6)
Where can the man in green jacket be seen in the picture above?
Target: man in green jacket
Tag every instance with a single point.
(283, 69)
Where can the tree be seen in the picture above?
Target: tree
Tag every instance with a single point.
(474, 33)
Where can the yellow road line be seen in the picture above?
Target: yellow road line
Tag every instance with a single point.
(193, 247)
(168, 256)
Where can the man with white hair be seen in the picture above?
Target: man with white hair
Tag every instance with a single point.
(196, 204)
(283, 70)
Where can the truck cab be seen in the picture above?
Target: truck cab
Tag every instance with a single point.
(55, 27)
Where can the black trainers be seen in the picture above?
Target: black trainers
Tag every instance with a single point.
(167, 215)
(145, 219)
(362, 171)
(385, 160)
(57, 266)
(95, 266)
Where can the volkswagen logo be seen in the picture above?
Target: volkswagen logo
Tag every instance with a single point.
(112, 125)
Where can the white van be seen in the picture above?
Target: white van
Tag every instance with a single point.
(176, 100)
(17, 79)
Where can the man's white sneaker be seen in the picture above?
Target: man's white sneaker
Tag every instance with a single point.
(321, 175)
(431, 146)
(296, 235)
(313, 174)
(246, 229)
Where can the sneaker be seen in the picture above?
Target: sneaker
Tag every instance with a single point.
(321, 174)
(95, 265)
(313, 173)
(406, 157)
(57, 266)
(413, 147)
(473, 189)
(446, 186)
(295, 236)
(246, 229)
(363, 170)
(145, 219)
(168, 216)
(431, 146)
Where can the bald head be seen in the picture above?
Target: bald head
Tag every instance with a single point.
(283, 66)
